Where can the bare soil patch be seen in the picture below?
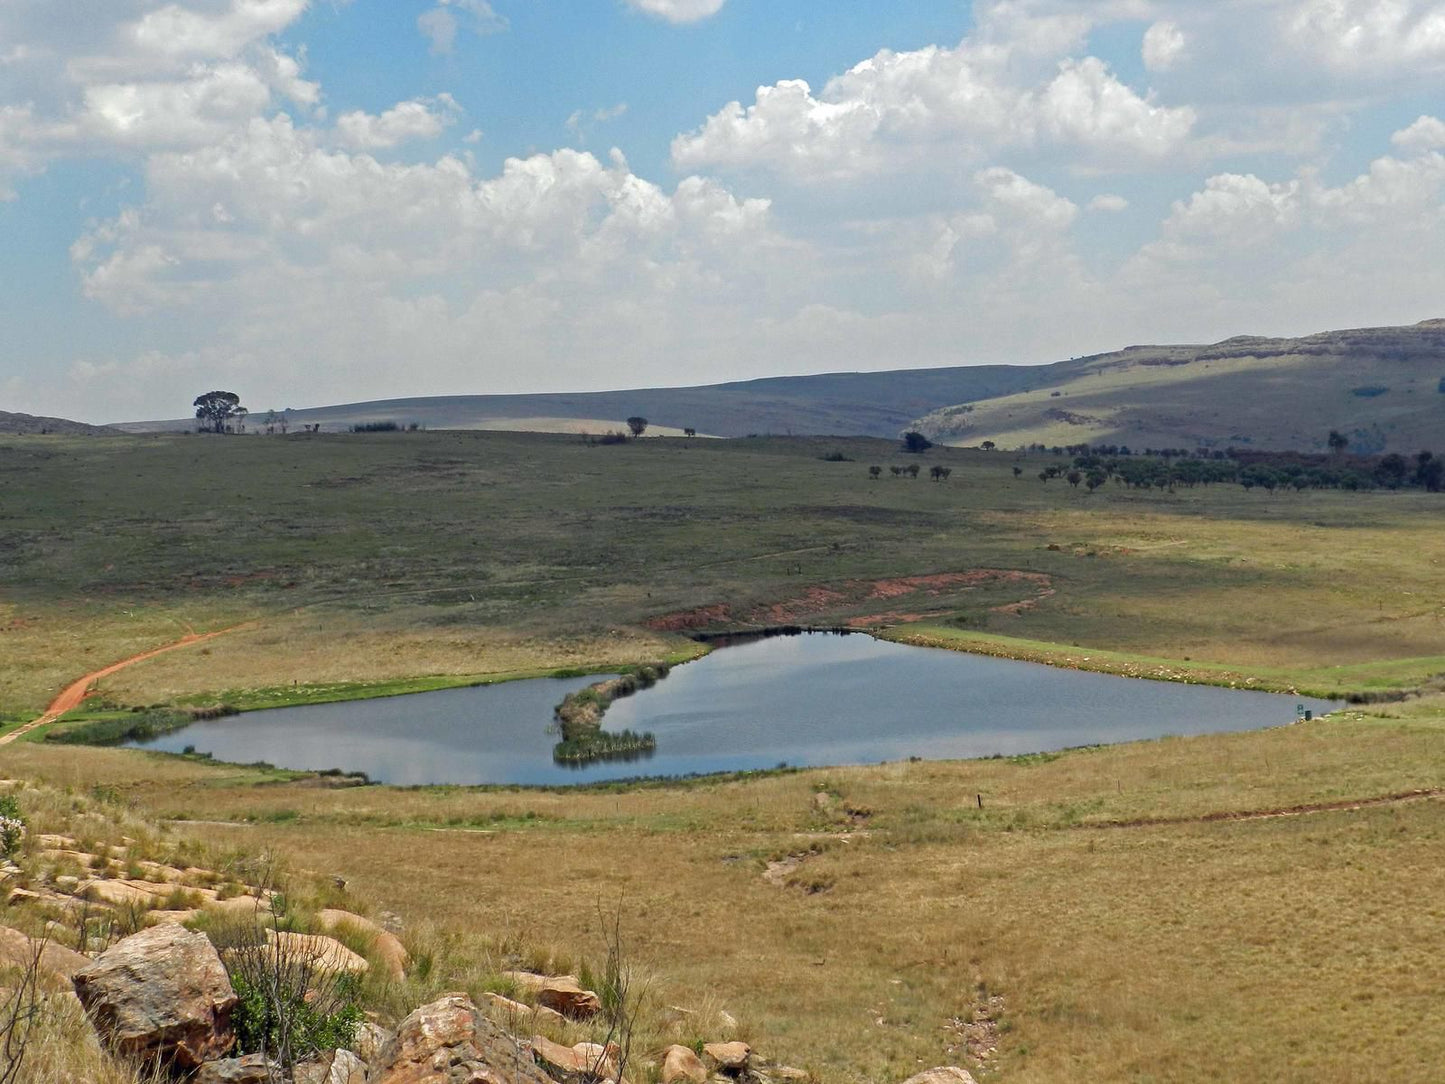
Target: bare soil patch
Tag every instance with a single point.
(914, 598)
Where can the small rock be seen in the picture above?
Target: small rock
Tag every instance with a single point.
(336, 1067)
(516, 1011)
(369, 1041)
(729, 1057)
(161, 994)
(450, 1042)
(252, 1069)
(946, 1074)
(563, 995)
(681, 1064)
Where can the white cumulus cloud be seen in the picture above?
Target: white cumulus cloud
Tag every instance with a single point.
(441, 23)
(402, 123)
(678, 11)
(1163, 44)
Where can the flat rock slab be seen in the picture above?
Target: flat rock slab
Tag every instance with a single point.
(252, 1069)
(161, 994)
(325, 954)
(386, 947)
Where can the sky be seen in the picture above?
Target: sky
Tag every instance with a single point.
(321, 201)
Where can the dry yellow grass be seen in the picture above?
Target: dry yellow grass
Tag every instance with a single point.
(1286, 948)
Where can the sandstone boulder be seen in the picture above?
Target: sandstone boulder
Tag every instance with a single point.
(323, 954)
(728, 1057)
(161, 994)
(335, 1067)
(945, 1074)
(562, 994)
(515, 1012)
(57, 963)
(681, 1065)
(369, 1041)
(451, 1042)
(385, 945)
(252, 1069)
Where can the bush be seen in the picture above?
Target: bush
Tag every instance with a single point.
(376, 427)
(12, 825)
(1369, 391)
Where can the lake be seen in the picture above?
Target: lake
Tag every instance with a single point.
(810, 699)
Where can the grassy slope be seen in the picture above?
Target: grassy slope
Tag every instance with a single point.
(1278, 949)
(871, 404)
(1266, 393)
(392, 556)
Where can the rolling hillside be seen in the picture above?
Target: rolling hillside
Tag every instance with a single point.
(26, 424)
(855, 404)
(1382, 387)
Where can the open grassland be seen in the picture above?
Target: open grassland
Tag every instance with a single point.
(1250, 907)
(396, 556)
(1134, 927)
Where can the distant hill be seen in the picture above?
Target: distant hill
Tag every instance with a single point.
(862, 404)
(29, 423)
(1380, 386)
(1384, 388)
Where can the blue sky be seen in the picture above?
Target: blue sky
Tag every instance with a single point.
(314, 201)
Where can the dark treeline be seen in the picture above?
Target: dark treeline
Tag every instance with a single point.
(1165, 468)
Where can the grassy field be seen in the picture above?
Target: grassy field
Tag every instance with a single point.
(1253, 907)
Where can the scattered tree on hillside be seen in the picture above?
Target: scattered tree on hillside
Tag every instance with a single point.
(874, 471)
(938, 473)
(689, 432)
(1337, 441)
(911, 470)
(215, 408)
(638, 425)
(1017, 470)
(1392, 470)
(916, 442)
(988, 445)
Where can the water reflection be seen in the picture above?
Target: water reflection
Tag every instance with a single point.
(808, 699)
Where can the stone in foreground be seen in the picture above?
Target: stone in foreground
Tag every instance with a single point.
(252, 1069)
(729, 1057)
(334, 1067)
(450, 1041)
(681, 1065)
(161, 994)
(945, 1074)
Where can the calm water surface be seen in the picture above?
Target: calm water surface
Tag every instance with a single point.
(814, 699)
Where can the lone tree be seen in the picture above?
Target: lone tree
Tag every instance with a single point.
(638, 425)
(216, 408)
(1337, 441)
(916, 442)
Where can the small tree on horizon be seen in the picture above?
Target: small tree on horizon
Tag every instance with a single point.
(1337, 441)
(916, 442)
(216, 408)
(637, 424)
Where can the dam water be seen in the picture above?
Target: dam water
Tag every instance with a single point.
(802, 700)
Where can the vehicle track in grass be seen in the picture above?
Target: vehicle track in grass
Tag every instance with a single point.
(73, 695)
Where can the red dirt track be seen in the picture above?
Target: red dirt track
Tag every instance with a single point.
(74, 694)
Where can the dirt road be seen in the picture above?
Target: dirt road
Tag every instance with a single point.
(74, 693)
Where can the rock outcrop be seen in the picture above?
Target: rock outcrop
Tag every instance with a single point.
(161, 994)
(450, 1041)
(681, 1065)
(728, 1057)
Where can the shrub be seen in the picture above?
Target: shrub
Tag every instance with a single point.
(1369, 391)
(12, 825)
(376, 427)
